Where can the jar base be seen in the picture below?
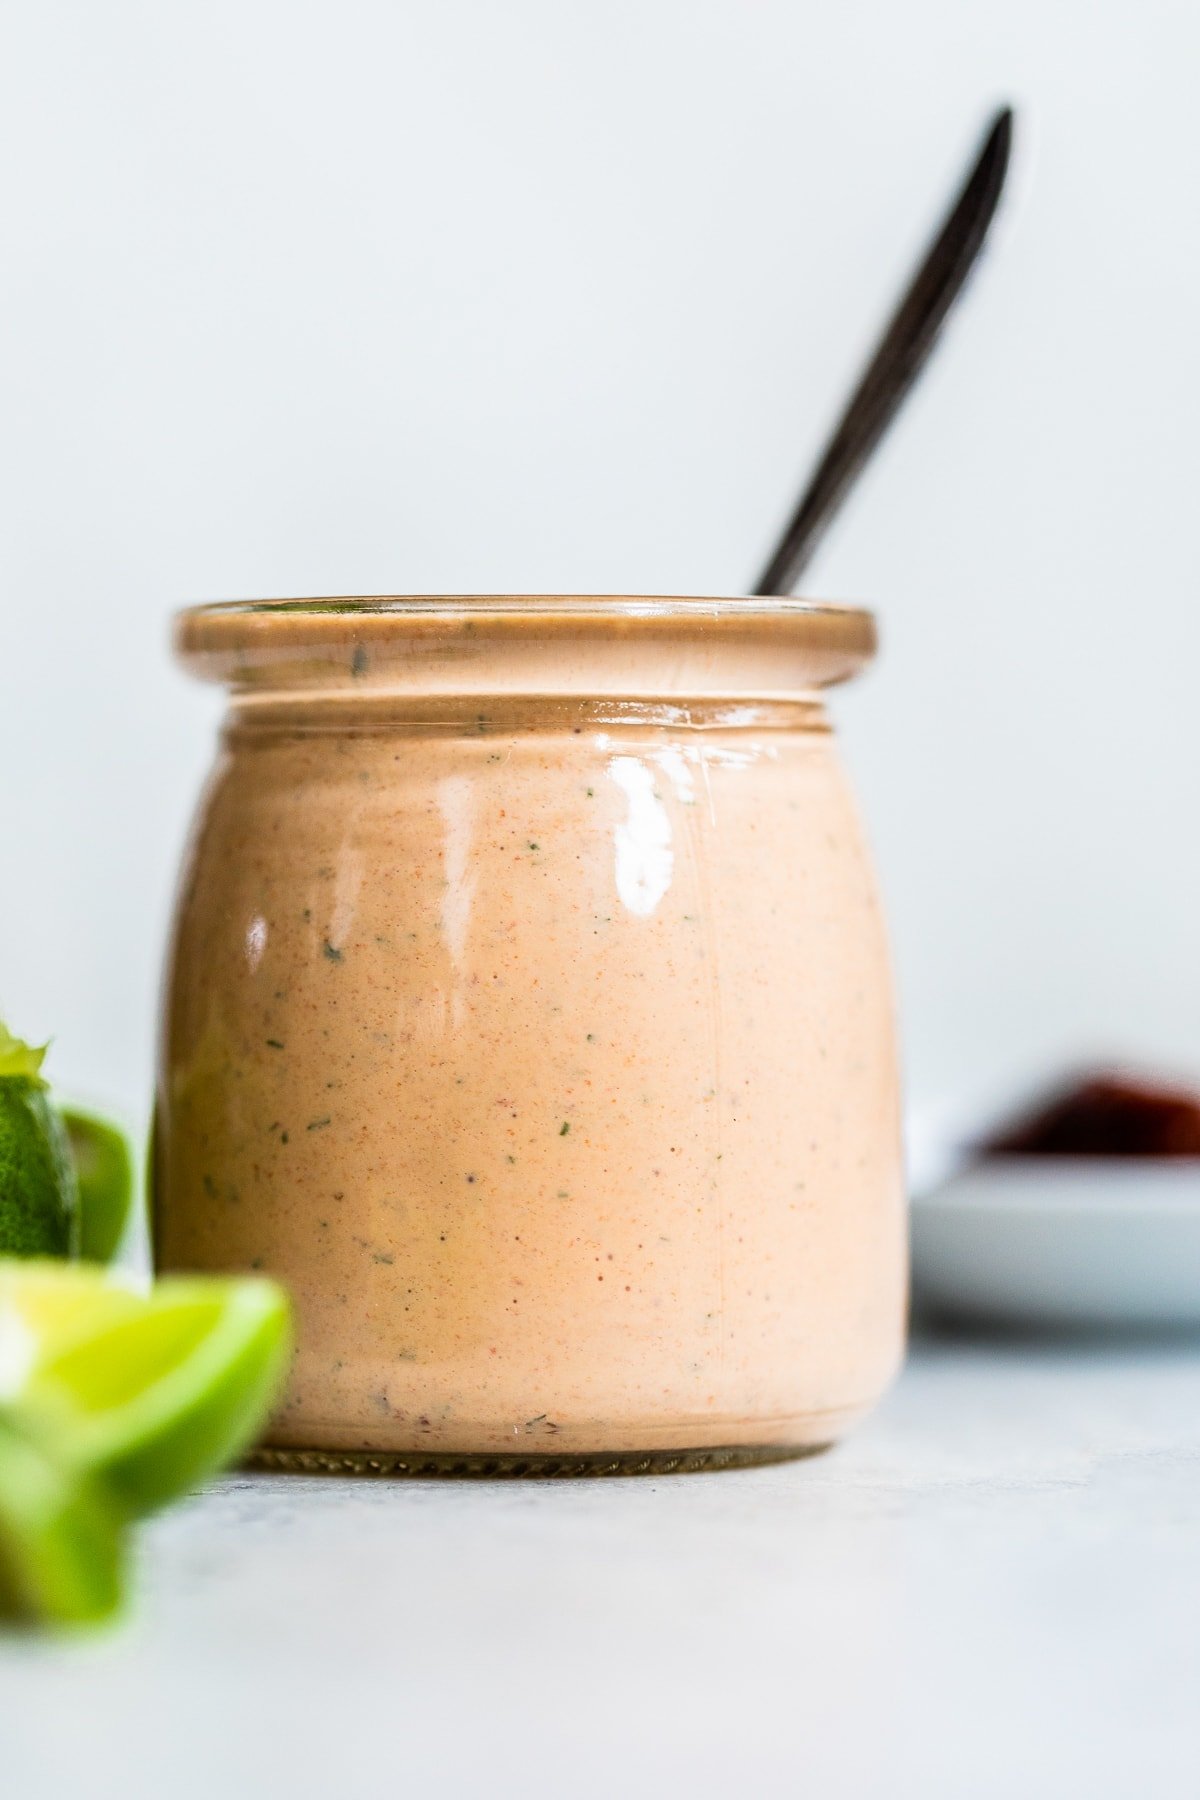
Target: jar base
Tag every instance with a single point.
(486, 1467)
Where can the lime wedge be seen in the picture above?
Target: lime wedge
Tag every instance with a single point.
(59, 1540)
(157, 1395)
(111, 1404)
(104, 1169)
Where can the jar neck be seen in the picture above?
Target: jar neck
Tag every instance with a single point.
(480, 715)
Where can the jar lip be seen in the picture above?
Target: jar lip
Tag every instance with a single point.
(351, 606)
(254, 641)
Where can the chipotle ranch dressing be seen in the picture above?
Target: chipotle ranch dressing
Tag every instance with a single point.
(528, 1015)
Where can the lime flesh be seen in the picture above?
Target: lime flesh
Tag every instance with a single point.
(47, 1307)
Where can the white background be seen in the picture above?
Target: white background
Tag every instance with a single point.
(344, 297)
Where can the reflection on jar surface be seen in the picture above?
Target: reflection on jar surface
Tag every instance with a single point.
(535, 1030)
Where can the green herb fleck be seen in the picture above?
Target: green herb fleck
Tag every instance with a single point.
(283, 1137)
(332, 952)
(534, 846)
(274, 1044)
(564, 1128)
(359, 661)
(591, 793)
(317, 1124)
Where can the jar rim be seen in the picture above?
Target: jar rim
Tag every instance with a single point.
(228, 640)
(374, 605)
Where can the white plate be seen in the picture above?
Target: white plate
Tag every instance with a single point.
(1056, 1241)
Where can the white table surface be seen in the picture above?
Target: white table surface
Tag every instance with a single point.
(994, 1589)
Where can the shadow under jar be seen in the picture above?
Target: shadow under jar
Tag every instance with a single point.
(528, 1015)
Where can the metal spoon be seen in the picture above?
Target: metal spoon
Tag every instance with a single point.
(899, 357)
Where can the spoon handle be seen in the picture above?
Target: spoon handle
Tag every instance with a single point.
(899, 357)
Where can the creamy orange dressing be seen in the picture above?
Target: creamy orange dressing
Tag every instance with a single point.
(542, 1046)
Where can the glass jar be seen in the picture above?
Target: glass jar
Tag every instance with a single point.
(528, 1015)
